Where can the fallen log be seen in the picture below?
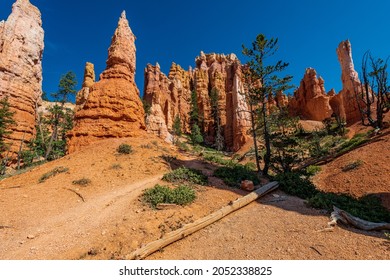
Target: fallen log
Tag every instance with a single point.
(189, 229)
(344, 217)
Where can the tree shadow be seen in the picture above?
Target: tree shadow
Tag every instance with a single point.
(277, 198)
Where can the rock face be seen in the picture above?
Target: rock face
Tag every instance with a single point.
(110, 107)
(21, 49)
(310, 100)
(351, 82)
(171, 96)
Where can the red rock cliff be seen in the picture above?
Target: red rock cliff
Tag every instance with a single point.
(21, 48)
(112, 108)
(171, 96)
(310, 101)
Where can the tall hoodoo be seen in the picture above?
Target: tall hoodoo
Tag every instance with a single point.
(351, 82)
(21, 49)
(112, 108)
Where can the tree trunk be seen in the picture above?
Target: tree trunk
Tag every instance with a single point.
(253, 125)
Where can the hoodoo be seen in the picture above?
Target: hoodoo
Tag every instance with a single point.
(111, 107)
(21, 49)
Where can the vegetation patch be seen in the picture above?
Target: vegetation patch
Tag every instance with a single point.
(352, 165)
(186, 175)
(312, 170)
(357, 140)
(82, 182)
(368, 208)
(53, 173)
(181, 195)
(124, 149)
(233, 175)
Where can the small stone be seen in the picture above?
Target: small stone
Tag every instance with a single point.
(30, 236)
(247, 185)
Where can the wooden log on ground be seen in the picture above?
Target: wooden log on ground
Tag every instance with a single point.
(201, 223)
(344, 217)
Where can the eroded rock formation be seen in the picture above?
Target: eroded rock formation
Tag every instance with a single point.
(351, 83)
(171, 96)
(112, 107)
(21, 49)
(310, 100)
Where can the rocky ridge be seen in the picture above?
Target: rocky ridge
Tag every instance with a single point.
(21, 49)
(111, 107)
(171, 96)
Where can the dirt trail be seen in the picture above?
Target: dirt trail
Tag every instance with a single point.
(53, 236)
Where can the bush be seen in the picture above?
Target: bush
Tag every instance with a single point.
(233, 175)
(296, 184)
(186, 175)
(125, 149)
(312, 170)
(368, 207)
(357, 140)
(82, 182)
(53, 173)
(181, 195)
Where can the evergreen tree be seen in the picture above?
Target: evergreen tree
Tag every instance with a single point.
(176, 128)
(261, 81)
(6, 120)
(196, 137)
(61, 117)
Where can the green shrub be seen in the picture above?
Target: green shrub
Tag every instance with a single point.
(217, 158)
(296, 184)
(357, 140)
(186, 175)
(124, 149)
(312, 170)
(368, 207)
(352, 165)
(82, 182)
(233, 175)
(53, 173)
(181, 195)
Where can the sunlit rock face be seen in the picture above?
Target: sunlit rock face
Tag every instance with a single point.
(310, 100)
(111, 107)
(21, 49)
(170, 96)
(351, 83)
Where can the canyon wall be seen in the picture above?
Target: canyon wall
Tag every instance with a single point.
(170, 96)
(21, 49)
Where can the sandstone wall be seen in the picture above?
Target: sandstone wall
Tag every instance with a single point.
(21, 49)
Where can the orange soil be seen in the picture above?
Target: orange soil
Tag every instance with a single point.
(50, 221)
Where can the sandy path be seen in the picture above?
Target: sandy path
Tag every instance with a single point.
(52, 236)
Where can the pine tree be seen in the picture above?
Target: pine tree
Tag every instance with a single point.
(6, 120)
(261, 81)
(176, 128)
(61, 118)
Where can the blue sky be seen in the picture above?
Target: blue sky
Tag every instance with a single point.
(77, 31)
